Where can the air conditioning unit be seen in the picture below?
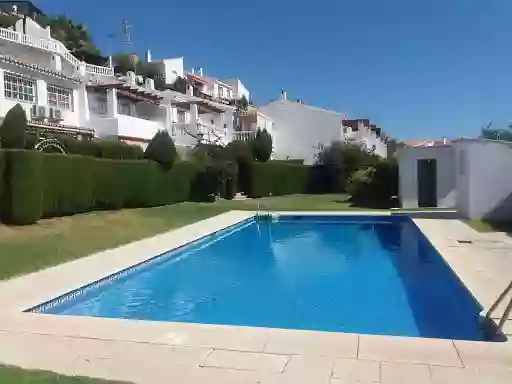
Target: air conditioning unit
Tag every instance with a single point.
(55, 114)
(38, 112)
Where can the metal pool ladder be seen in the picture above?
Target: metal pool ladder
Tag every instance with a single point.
(498, 301)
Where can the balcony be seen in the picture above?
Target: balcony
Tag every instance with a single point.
(55, 46)
(244, 135)
(126, 127)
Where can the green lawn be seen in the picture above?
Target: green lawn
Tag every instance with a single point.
(25, 249)
(11, 375)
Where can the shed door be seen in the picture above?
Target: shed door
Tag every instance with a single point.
(427, 183)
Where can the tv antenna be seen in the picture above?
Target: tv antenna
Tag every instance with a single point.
(126, 30)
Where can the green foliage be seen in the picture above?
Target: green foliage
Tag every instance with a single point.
(393, 146)
(240, 152)
(38, 184)
(108, 149)
(497, 133)
(278, 179)
(161, 150)
(13, 130)
(335, 164)
(2, 181)
(68, 184)
(375, 186)
(289, 161)
(180, 85)
(242, 104)
(75, 37)
(7, 21)
(261, 146)
(31, 140)
(23, 183)
(124, 62)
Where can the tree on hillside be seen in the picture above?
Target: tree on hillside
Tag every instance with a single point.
(75, 37)
(124, 62)
(162, 150)
(261, 146)
(8, 21)
(13, 131)
(491, 133)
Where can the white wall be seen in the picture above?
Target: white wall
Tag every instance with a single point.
(299, 128)
(70, 116)
(238, 88)
(126, 126)
(408, 175)
(485, 187)
(172, 68)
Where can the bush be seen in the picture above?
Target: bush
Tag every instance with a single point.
(289, 161)
(335, 164)
(240, 152)
(2, 181)
(278, 179)
(22, 197)
(261, 146)
(161, 150)
(13, 130)
(375, 186)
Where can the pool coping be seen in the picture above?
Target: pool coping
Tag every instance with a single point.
(18, 294)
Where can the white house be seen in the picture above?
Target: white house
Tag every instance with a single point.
(40, 74)
(470, 175)
(299, 130)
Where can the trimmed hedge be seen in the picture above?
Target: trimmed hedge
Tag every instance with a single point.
(46, 185)
(68, 184)
(277, 179)
(23, 194)
(2, 171)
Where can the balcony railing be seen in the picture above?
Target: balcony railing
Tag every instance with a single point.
(244, 135)
(54, 46)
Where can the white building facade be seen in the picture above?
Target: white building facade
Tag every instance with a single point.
(300, 130)
(470, 175)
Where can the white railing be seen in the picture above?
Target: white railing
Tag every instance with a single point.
(55, 46)
(244, 135)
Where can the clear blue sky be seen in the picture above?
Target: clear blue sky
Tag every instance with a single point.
(418, 68)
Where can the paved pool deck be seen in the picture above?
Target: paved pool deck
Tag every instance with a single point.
(157, 352)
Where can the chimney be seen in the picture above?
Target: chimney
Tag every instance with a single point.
(148, 56)
(283, 96)
(444, 140)
(201, 71)
(110, 62)
(193, 71)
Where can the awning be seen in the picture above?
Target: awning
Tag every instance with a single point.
(131, 91)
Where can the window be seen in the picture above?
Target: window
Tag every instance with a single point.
(20, 88)
(221, 92)
(181, 116)
(60, 97)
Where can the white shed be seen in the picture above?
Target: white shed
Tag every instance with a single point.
(472, 175)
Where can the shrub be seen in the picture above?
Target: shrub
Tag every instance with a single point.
(335, 164)
(240, 152)
(161, 149)
(22, 198)
(375, 186)
(13, 130)
(278, 179)
(290, 161)
(261, 146)
(2, 180)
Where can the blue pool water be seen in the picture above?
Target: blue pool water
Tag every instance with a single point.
(362, 274)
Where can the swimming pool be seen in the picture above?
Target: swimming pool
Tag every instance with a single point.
(360, 274)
